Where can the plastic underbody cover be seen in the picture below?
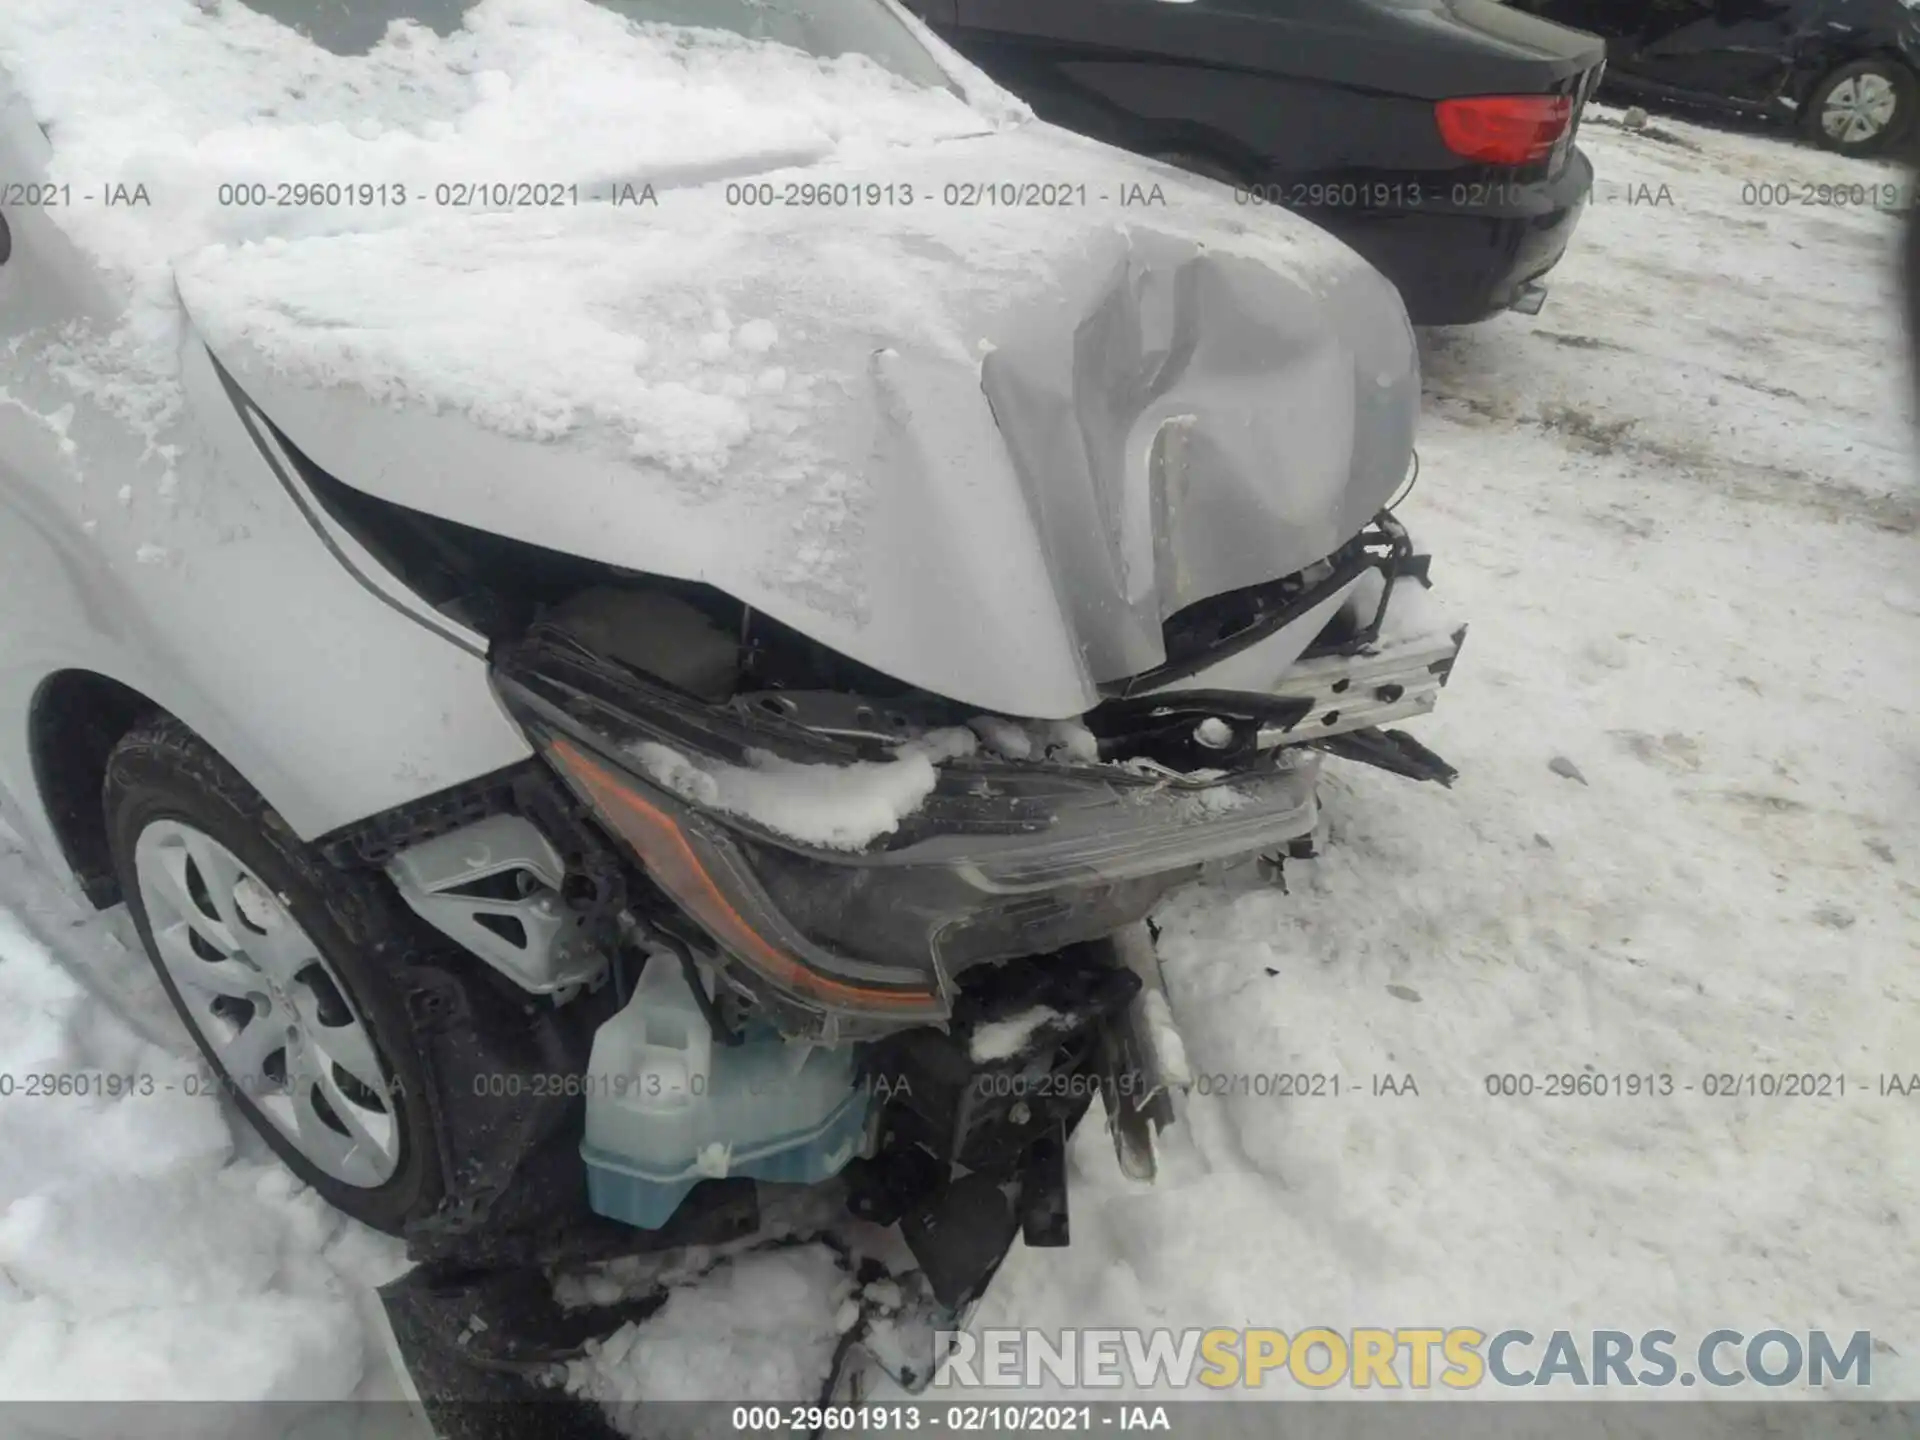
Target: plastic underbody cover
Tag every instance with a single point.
(986, 448)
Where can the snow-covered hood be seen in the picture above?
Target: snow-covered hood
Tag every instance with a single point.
(978, 441)
(976, 409)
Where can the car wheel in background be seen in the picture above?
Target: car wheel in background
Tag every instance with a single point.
(279, 963)
(1862, 108)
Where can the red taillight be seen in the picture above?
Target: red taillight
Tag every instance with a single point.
(1504, 129)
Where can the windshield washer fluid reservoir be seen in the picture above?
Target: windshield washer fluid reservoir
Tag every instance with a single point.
(668, 1106)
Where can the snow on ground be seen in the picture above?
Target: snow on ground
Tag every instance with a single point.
(1679, 507)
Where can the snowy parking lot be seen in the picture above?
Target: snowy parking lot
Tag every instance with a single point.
(1679, 510)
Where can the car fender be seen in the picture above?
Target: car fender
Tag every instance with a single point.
(224, 604)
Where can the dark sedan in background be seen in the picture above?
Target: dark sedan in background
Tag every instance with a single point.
(1844, 70)
(1436, 137)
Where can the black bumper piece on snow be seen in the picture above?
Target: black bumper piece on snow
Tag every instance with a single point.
(1394, 751)
(950, 1101)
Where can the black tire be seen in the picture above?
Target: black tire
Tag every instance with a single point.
(163, 771)
(1910, 277)
(1906, 96)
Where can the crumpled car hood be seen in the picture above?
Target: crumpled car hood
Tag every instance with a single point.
(982, 421)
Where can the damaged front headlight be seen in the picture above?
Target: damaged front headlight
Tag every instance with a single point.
(851, 938)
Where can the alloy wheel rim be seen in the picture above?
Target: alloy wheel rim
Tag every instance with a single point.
(1859, 108)
(268, 1004)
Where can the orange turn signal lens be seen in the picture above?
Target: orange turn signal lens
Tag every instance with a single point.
(674, 864)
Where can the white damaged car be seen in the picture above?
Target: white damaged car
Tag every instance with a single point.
(640, 598)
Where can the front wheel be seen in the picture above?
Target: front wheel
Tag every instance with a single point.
(279, 964)
(1862, 108)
